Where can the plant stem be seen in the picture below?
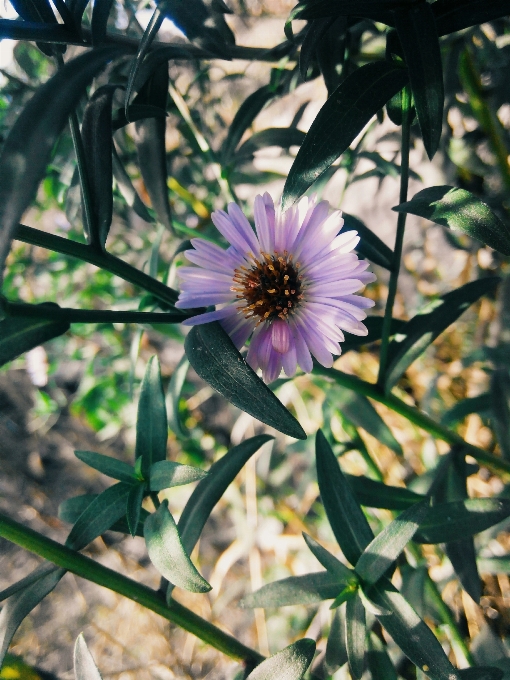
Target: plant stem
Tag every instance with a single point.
(102, 260)
(54, 313)
(399, 238)
(92, 571)
(414, 416)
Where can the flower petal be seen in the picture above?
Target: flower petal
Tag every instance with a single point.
(207, 317)
(280, 335)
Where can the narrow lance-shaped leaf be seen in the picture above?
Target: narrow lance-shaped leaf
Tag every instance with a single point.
(387, 546)
(84, 665)
(500, 400)
(134, 506)
(379, 662)
(340, 120)
(370, 245)
(282, 137)
(215, 358)
(417, 31)
(35, 575)
(166, 473)
(460, 210)
(452, 15)
(345, 516)
(99, 23)
(315, 31)
(306, 589)
(418, 333)
(375, 494)
(127, 190)
(336, 650)
(173, 397)
(289, 664)
(28, 146)
(355, 636)
(151, 422)
(107, 465)
(18, 335)
(168, 554)
(329, 561)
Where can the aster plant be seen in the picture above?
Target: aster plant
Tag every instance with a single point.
(262, 296)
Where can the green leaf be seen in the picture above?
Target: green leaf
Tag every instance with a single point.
(378, 495)
(411, 634)
(96, 133)
(84, 666)
(460, 210)
(167, 553)
(374, 326)
(19, 334)
(455, 15)
(127, 190)
(418, 36)
(336, 650)
(482, 673)
(289, 664)
(329, 561)
(244, 117)
(209, 491)
(134, 506)
(457, 413)
(151, 421)
(99, 23)
(314, 32)
(345, 516)
(379, 662)
(339, 121)
(500, 401)
(370, 245)
(150, 144)
(377, 10)
(494, 565)
(99, 516)
(70, 510)
(173, 397)
(387, 546)
(111, 467)
(215, 358)
(18, 606)
(35, 31)
(306, 589)
(418, 333)
(27, 149)
(282, 137)
(447, 521)
(355, 636)
(28, 580)
(166, 473)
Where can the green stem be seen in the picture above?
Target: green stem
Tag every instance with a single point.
(102, 260)
(414, 416)
(399, 238)
(54, 313)
(92, 571)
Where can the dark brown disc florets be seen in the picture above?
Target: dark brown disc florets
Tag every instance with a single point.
(271, 287)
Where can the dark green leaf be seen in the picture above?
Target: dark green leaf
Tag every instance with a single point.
(329, 561)
(245, 116)
(336, 651)
(23, 583)
(315, 31)
(214, 357)
(411, 634)
(38, 32)
(387, 546)
(378, 495)
(370, 245)
(379, 662)
(18, 335)
(462, 555)
(99, 23)
(340, 120)
(346, 518)
(455, 15)
(151, 422)
(355, 636)
(70, 509)
(481, 673)
(148, 36)
(374, 326)
(134, 507)
(84, 666)
(128, 191)
(377, 10)
(289, 664)
(500, 401)
(418, 333)
(283, 137)
(111, 467)
(447, 521)
(150, 144)
(136, 112)
(201, 24)
(457, 413)
(166, 473)
(28, 146)
(99, 516)
(306, 589)
(417, 31)
(167, 553)
(209, 491)
(460, 210)
(173, 397)
(18, 606)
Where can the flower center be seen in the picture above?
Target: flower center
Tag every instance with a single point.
(271, 287)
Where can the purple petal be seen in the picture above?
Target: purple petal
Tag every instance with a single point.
(191, 301)
(229, 229)
(273, 367)
(207, 317)
(289, 359)
(265, 234)
(241, 222)
(280, 334)
(303, 356)
(317, 345)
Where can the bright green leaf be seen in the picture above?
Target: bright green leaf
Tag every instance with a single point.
(166, 473)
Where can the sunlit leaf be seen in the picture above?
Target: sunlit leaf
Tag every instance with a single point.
(336, 651)
(306, 589)
(84, 665)
(355, 636)
(166, 473)
(289, 664)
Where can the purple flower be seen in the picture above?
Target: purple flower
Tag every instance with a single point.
(290, 286)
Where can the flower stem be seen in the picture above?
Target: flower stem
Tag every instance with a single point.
(415, 416)
(92, 571)
(399, 238)
(102, 260)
